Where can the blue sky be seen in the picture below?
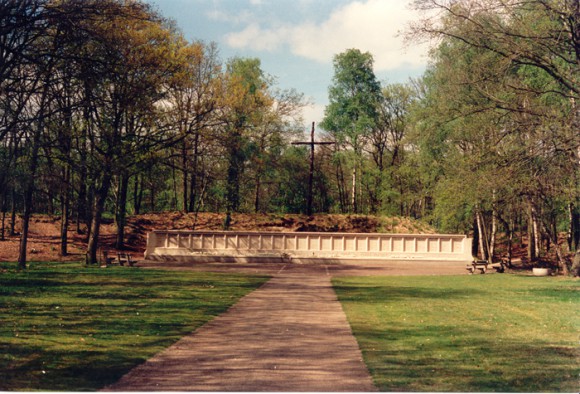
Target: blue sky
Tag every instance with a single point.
(297, 39)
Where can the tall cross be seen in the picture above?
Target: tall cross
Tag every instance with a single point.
(311, 175)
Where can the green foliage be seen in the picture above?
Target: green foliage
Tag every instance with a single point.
(292, 181)
(257, 122)
(353, 97)
(67, 328)
(494, 122)
(491, 128)
(465, 333)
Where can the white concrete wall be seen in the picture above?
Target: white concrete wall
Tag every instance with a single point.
(217, 245)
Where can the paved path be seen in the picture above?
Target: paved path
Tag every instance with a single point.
(289, 335)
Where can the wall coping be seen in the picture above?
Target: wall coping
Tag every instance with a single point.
(314, 233)
(331, 246)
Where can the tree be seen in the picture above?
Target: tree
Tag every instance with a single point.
(509, 68)
(34, 79)
(96, 93)
(245, 101)
(542, 34)
(278, 124)
(291, 181)
(192, 92)
(75, 62)
(23, 24)
(352, 112)
(386, 148)
(126, 103)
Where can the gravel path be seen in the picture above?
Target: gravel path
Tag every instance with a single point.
(289, 335)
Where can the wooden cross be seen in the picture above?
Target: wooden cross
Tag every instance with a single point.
(311, 175)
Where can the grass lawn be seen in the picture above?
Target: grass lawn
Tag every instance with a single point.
(508, 333)
(65, 327)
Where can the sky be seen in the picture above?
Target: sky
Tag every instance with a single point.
(296, 40)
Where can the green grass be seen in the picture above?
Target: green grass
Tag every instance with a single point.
(68, 328)
(483, 333)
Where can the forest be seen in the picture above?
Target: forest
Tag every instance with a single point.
(106, 110)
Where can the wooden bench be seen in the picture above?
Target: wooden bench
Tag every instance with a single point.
(482, 266)
(123, 258)
(477, 264)
(107, 258)
(500, 267)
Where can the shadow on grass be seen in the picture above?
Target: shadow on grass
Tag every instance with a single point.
(381, 294)
(506, 334)
(63, 371)
(561, 294)
(67, 327)
(443, 358)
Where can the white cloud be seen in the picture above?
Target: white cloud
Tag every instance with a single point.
(221, 15)
(371, 25)
(255, 38)
(313, 113)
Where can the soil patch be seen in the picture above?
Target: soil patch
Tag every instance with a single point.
(44, 234)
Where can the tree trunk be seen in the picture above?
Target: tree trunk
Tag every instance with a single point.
(554, 239)
(193, 181)
(341, 186)
(29, 183)
(200, 202)
(353, 202)
(482, 235)
(64, 209)
(64, 228)
(520, 226)
(492, 236)
(152, 191)
(82, 203)
(100, 196)
(228, 221)
(257, 196)
(510, 231)
(532, 255)
(475, 243)
(3, 209)
(401, 202)
(137, 193)
(235, 161)
(175, 203)
(184, 180)
(121, 215)
(573, 237)
(88, 210)
(28, 191)
(82, 211)
(537, 234)
(25, 223)
(2, 236)
(576, 264)
(192, 189)
(12, 231)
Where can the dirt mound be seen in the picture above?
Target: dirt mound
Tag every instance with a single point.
(277, 222)
(44, 239)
